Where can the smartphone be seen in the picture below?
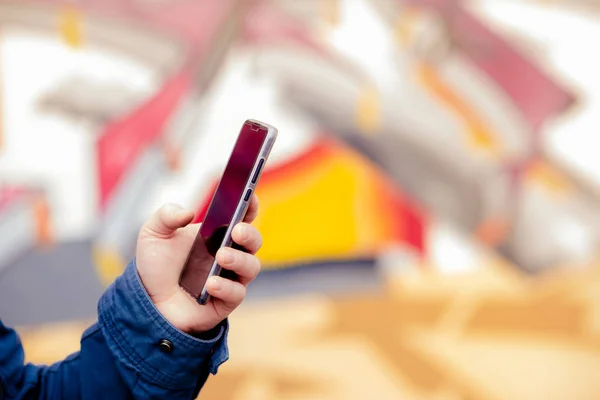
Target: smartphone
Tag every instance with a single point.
(227, 207)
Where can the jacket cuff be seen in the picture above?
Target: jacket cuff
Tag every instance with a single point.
(144, 340)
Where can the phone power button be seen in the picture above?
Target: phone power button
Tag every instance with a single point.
(248, 194)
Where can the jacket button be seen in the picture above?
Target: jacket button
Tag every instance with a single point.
(165, 345)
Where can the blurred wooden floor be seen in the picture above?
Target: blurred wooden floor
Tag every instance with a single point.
(490, 334)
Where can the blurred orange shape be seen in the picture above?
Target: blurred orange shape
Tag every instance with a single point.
(479, 134)
(548, 177)
(41, 211)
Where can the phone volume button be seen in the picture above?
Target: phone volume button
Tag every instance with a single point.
(258, 168)
(248, 194)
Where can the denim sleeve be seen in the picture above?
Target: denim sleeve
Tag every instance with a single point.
(27, 381)
(134, 330)
(121, 357)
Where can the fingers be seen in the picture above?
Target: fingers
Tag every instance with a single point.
(252, 209)
(245, 266)
(247, 236)
(229, 294)
(167, 220)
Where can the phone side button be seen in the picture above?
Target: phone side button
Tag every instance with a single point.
(248, 194)
(258, 168)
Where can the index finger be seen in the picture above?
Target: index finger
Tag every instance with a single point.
(252, 209)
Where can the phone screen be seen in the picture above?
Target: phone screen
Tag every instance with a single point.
(221, 211)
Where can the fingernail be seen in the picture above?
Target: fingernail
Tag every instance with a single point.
(215, 283)
(228, 257)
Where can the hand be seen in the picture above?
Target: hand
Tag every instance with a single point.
(163, 245)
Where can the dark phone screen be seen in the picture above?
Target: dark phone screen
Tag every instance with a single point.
(222, 207)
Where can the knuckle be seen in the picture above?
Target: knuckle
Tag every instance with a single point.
(259, 241)
(236, 295)
(255, 243)
(240, 292)
(244, 261)
(254, 270)
(256, 266)
(253, 236)
(251, 266)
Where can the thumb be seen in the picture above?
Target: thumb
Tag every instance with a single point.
(167, 219)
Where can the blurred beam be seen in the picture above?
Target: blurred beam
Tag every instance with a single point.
(224, 37)
(589, 6)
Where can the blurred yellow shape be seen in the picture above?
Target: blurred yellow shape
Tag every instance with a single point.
(549, 177)
(319, 211)
(405, 25)
(71, 26)
(327, 209)
(368, 110)
(49, 343)
(109, 264)
(480, 135)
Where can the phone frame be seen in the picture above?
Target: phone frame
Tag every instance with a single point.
(242, 205)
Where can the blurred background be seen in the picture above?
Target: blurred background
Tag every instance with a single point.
(431, 210)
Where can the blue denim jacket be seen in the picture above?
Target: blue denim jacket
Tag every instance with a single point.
(132, 352)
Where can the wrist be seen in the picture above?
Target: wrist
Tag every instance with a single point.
(207, 334)
(186, 320)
